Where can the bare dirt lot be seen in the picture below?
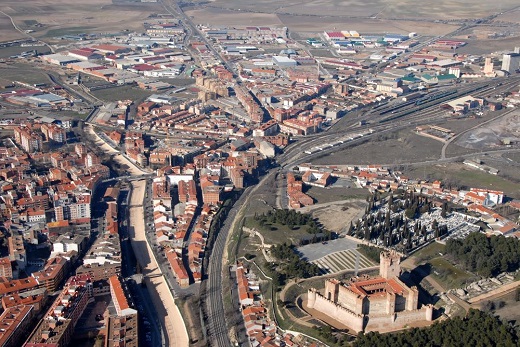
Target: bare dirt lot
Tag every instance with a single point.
(365, 25)
(492, 134)
(314, 24)
(336, 216)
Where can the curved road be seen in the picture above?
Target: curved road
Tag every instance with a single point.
(447, 143)
(24, 33)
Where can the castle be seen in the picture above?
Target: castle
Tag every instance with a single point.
(382, 303)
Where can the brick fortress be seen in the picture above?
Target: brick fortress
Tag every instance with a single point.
(382, 303)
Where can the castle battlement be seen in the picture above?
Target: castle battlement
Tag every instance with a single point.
(338, 306)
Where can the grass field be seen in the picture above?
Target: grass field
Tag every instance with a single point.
(122, 93)
(68, 31)
(23, 73)
(429, 252)
(449, 275)
(6, 52)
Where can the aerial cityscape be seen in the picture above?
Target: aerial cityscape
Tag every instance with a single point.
(259, 173)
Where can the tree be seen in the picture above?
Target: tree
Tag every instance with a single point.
(444, 209)
(476, 329)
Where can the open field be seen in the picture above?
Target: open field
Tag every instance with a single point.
(334, 193)
(433, 250)
(275, 234)
(7, 32)
(513, 16)
(395, 148)
(371, 8)
(365, 25)
(6, 52)
(58, 17)
(511, 306)
(486, 46)
(314, 24)
(491, 134)
(22, 73)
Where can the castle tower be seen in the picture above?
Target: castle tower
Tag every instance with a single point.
(389, 264)
(311, 298)
(412, 301)
(429, 312)
(331, 290)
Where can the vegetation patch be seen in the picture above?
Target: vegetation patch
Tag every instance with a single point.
(68, 31)
(289, 265)
(433, 250)
(371, 252)
(486, 256)
(288, 226)
(477, 329)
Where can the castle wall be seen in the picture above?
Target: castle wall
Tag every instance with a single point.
(411, 296)
(339, 313)
(378, 305)
(399, 319)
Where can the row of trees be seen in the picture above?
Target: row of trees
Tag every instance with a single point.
(478, 329)
(487, 256)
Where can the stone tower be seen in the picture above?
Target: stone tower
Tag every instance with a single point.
(389, 264)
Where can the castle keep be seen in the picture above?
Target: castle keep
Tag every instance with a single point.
(370, 304)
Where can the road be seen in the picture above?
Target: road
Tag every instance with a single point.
(118, 156)
(173, 6)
